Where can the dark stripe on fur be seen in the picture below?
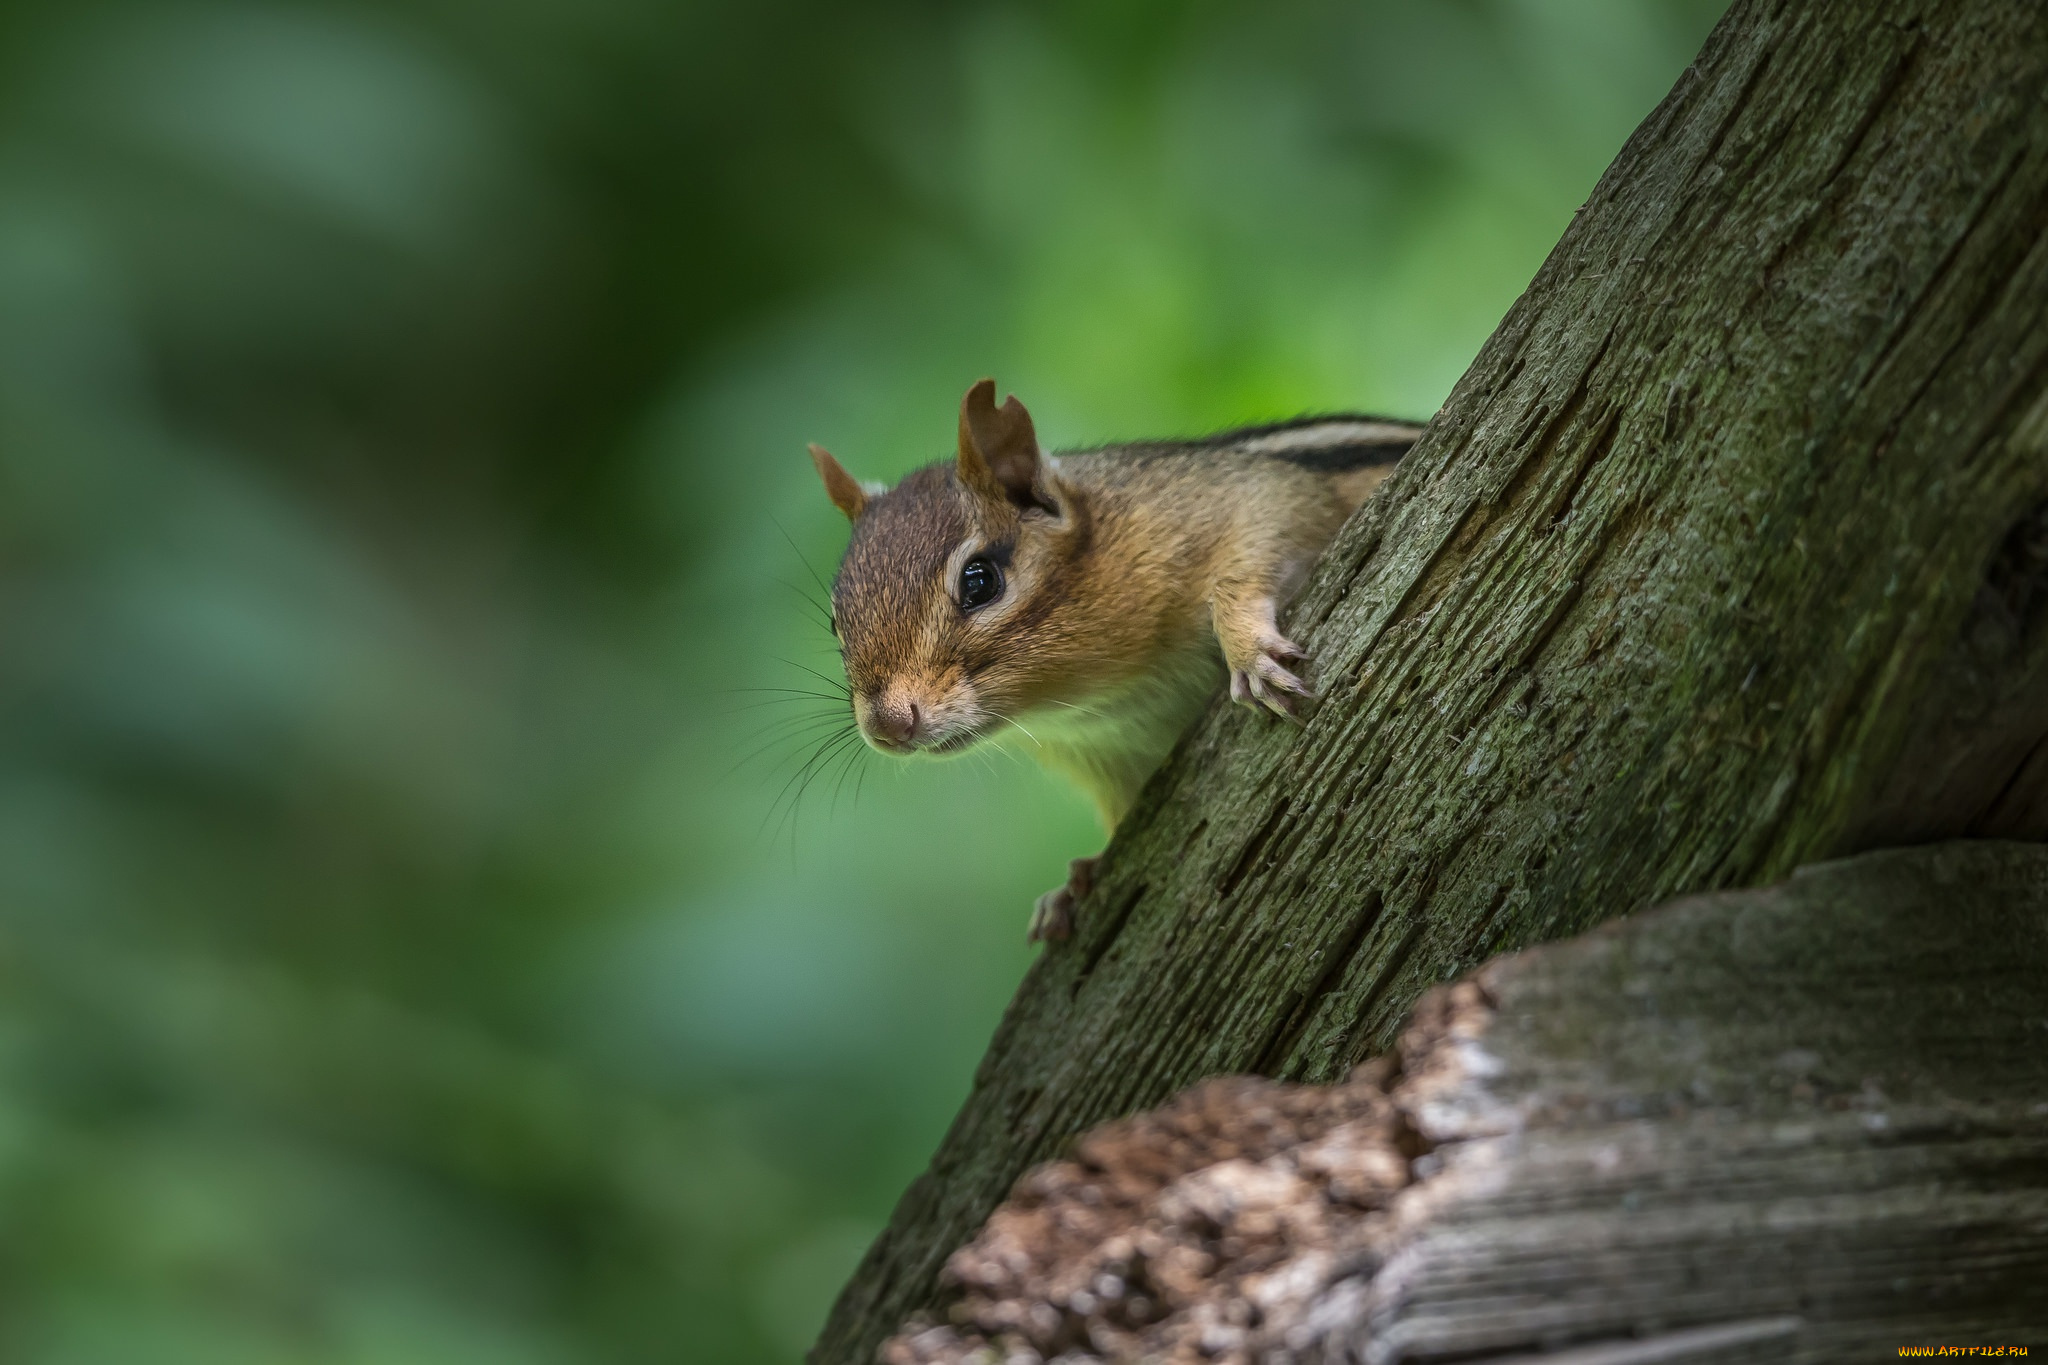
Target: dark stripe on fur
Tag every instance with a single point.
(1329, 459)
(1335, 457)
(1239, 435)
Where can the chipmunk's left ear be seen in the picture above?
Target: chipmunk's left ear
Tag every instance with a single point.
(999, 450)
(846, 494)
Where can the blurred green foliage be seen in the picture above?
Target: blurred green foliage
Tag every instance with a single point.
(402, 408)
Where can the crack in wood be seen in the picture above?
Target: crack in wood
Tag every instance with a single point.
(1690, 1343)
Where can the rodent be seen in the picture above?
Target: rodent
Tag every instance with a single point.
(1093, 599)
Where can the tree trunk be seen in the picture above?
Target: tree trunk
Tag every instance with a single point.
(1729, 553)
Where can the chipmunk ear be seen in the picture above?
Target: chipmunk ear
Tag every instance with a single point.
(999, 449)
(847, 495)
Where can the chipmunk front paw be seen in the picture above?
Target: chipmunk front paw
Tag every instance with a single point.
(1053, 917)
(1259, 655)
(1261, 677)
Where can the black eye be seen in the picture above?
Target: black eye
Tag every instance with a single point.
(981, 583)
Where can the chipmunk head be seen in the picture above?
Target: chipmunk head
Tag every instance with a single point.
(946, 603)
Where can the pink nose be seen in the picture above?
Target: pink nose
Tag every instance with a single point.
(897, 722)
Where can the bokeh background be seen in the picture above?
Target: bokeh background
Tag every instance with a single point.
(409, 952)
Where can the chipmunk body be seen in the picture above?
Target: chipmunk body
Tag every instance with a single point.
(1092, 600)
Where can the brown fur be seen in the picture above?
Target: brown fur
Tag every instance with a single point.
(1135, 578)
(1125, 568)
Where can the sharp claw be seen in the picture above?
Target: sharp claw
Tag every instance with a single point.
(1241, 685)
(1276, 702)
(1284, 695)
(1273, 675)
(1265, 684)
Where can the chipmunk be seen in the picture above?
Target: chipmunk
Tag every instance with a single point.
(1092, 599)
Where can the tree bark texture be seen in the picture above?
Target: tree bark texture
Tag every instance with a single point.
(1805, 1123)
(1727, 554)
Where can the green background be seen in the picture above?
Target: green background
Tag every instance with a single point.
(404, 955)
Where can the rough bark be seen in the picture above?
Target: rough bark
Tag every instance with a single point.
(1726, 555)
(1804, 1123)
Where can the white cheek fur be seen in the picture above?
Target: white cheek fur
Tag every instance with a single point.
(955, 562)
(960, 713)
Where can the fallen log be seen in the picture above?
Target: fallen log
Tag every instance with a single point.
(1803, 1123)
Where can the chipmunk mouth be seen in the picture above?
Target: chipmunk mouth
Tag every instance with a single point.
(955, 742)
(948, 742)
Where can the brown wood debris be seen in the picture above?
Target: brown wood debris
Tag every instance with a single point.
(1192, 1232)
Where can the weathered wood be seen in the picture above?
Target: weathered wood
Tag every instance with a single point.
(1724, 556)
(1822, 1106)
(1805, 1123)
